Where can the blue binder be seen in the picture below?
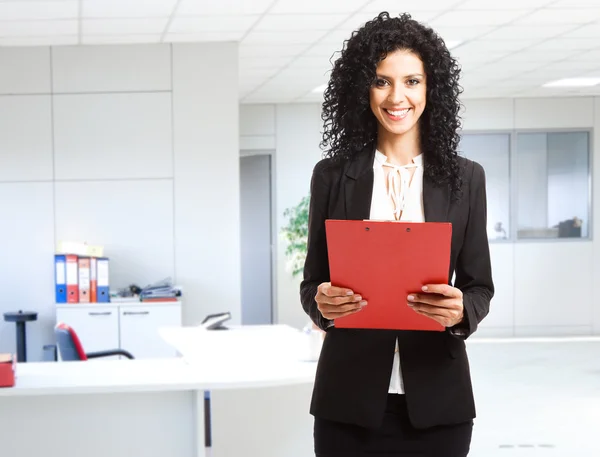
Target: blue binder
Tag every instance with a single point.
(60, 278)
(103, 294)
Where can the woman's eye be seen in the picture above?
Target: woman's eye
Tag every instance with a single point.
(413, 82)
(380, 82)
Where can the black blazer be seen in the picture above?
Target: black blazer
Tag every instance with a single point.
(354, 368)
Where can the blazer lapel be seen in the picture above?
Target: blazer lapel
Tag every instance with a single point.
(436, 201)
(358, 191)
(358, 186)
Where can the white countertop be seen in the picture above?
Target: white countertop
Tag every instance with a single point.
(113, 376)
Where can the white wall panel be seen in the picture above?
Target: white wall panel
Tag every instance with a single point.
(207, 179)
(25, 138)
(25, 70)
(27, 262)
(554, 113)
(133, 220)
(107, 136)
(120, 68)
(257, 120)
(257, 142)
(484, 114)
(553, 284)
(501, 314)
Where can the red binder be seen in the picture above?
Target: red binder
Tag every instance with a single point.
(72, 267)
(385, 261)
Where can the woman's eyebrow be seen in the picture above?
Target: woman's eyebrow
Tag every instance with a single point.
(413, 75)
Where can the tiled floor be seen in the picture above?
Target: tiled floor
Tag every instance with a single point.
(536, 397)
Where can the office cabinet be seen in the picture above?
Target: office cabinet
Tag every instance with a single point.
(139, 329)
(97, 328)
(132, 326)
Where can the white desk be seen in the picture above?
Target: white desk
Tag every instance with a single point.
(155, 408)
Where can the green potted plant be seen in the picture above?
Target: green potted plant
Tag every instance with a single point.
(296, 234)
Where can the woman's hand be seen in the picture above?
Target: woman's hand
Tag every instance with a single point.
(440, 302)
(336, 302)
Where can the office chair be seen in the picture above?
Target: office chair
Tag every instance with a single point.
(70, 348)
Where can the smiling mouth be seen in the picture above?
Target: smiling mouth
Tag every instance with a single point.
(397, 115)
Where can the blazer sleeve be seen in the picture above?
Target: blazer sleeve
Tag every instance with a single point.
(316, 265)
(473, 267)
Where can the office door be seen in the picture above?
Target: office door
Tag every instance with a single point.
(255, 201)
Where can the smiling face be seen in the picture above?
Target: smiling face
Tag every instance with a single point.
(397, 96)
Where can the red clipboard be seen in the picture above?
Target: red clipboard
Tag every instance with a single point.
(385, 261)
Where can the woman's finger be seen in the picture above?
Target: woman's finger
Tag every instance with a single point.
(333, 315)
(436, 310)
(443, 289)
(332, 291)
(329, 308)
(435, 300)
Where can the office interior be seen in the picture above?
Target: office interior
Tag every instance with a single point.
(176, 133)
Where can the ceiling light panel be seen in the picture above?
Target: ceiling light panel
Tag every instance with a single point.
(299, 22)
(422, 5)
(501, 69)
(531, 55)
(27, 11)
(304, 37)
(123, 26)
(317, 62)
(203, 37)
(573, 67)
(593, 55)
(270, 51)
(121, 39)
(222, 7)
(449, 33)
(587, 31)
(471, 17)
(570, 44)
(127, 8)
(574, 4)
(37, 28)
(542, 32)
(39, 41)
(212, 24)
(559, 16)
(264, 62)
(484, 46)
(465, 57)
(324, 50)
(359, 19)
(503, 5)
(317, 6)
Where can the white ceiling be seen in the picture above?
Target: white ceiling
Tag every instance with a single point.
(507, 48)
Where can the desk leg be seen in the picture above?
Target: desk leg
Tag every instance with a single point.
(265, 422)
(199, 423)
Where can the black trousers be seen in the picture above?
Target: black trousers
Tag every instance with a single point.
(396, 437)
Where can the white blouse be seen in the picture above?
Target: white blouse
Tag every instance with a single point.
(397, 197)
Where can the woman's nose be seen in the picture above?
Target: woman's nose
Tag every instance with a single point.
(396, 95)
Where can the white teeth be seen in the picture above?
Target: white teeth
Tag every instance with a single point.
(398, 113)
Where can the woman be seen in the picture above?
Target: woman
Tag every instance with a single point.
(391, 129)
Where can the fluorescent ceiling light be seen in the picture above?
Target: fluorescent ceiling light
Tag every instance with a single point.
(574, 82)
(320, 89)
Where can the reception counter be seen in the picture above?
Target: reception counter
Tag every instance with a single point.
(155, 408)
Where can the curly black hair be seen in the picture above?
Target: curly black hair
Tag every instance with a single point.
(349, 123)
